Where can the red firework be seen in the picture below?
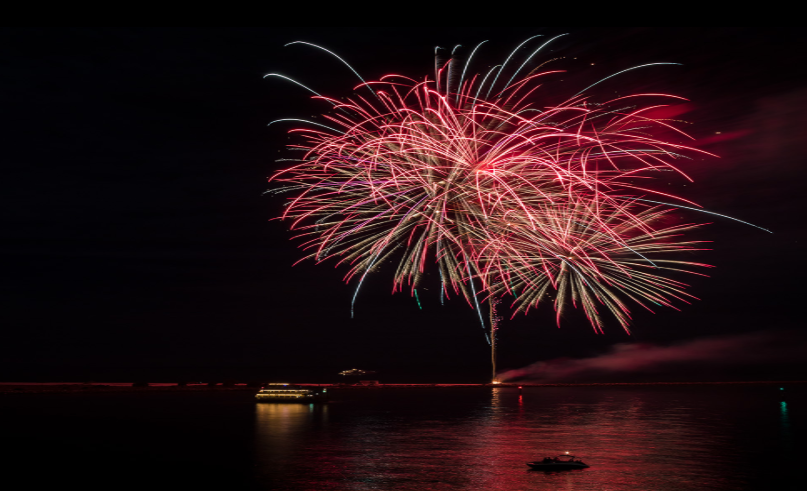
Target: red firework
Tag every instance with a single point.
(493, 184)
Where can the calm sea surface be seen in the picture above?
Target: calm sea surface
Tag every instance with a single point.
(634, 438)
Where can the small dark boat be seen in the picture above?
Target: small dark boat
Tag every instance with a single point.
(559, 463)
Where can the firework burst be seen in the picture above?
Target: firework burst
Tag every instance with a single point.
(493, 184)
(588, 257)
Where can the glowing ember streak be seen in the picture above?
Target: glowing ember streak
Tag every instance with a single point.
(525, 196)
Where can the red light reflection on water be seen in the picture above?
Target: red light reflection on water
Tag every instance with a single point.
(449, 440)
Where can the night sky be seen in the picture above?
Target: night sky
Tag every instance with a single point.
(137, 243)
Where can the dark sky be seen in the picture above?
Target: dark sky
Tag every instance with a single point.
(137, 243)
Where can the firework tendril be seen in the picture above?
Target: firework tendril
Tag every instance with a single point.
(508, 195)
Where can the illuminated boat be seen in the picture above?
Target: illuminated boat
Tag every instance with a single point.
(291, 393)
(559, 463)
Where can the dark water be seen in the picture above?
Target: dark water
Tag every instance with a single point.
(635, 438)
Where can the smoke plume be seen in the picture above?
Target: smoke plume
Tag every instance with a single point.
(764, 352)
